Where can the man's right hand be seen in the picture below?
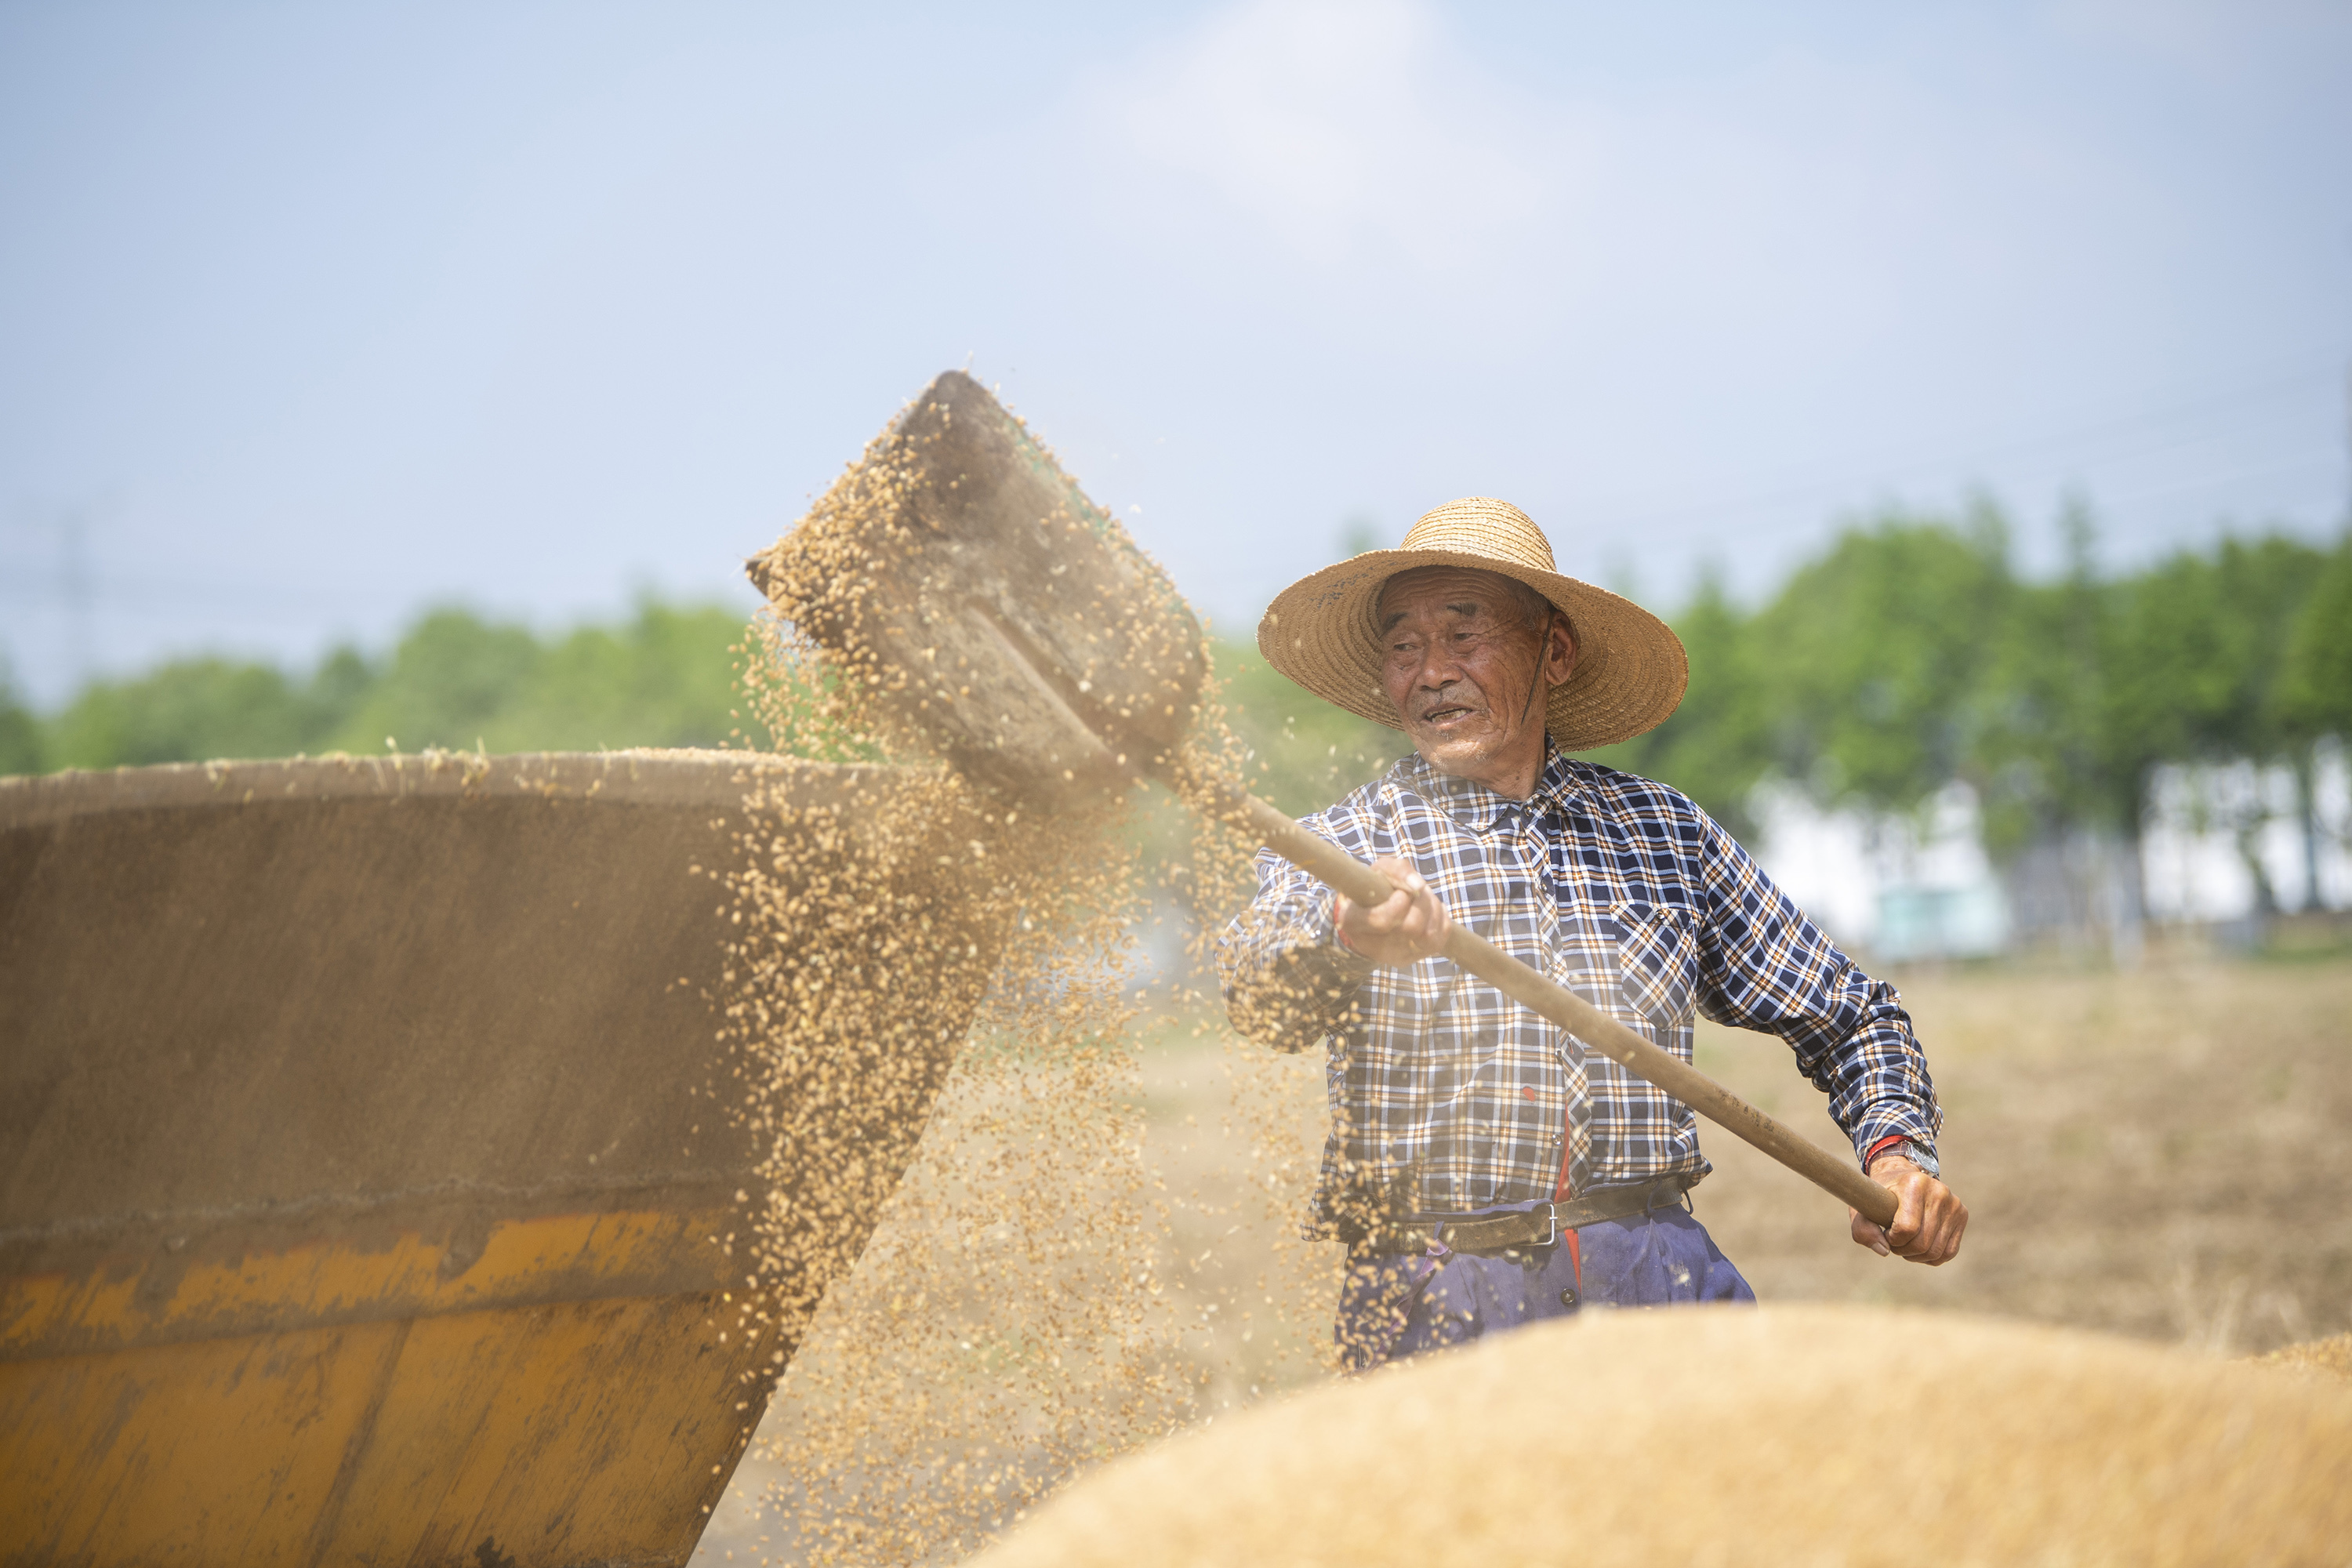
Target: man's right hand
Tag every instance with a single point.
(1406, 927)
(1929, 1219)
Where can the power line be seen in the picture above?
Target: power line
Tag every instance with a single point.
(74, 574)
(1843, 478)
(2204, 481)
(167, 596)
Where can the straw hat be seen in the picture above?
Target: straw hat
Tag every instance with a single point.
(1323, 630)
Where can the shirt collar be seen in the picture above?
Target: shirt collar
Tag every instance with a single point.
(1477, 807)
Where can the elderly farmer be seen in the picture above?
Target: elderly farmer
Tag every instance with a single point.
(1484, 1169)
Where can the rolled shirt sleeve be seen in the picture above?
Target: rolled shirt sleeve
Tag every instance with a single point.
(1764, 966)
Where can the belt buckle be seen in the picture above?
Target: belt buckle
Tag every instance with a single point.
(1551, 1211)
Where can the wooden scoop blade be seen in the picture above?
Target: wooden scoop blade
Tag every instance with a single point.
(1000, 613)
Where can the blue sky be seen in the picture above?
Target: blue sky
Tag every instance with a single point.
(311, 315)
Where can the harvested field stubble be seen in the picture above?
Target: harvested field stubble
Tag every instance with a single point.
(2158, 1154)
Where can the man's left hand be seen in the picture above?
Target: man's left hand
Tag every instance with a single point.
(1928, 1220)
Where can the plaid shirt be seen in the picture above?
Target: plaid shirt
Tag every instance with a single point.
(1448, 1096)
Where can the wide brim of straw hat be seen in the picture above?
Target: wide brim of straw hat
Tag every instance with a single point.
(1323, 631)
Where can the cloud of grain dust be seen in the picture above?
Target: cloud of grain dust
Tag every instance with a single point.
(1057, 1279)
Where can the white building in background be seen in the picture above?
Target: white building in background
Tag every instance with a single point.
(1902, 891)
(1898, 890)
(2191, 856)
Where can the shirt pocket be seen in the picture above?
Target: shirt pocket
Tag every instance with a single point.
(1657, 963)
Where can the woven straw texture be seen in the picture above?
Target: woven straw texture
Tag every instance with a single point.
(1323, 631)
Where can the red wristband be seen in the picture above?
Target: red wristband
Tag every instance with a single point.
(1880, 1148)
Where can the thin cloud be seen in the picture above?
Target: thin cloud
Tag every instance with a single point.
(1337, 130)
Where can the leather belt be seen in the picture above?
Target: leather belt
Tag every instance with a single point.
(1537, 1226)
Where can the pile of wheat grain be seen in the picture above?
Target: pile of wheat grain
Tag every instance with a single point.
(1789, 1435)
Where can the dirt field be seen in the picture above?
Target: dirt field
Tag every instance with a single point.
(2159, 1155)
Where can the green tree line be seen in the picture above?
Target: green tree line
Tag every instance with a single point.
(1910, 653)
(665, 677)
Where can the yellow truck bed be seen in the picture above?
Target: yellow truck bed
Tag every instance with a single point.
(353, 1208)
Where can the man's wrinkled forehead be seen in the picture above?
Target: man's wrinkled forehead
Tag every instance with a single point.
(1462, 590)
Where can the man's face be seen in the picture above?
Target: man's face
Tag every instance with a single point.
(1466, 671)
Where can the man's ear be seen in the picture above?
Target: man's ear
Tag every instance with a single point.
(1559, 631)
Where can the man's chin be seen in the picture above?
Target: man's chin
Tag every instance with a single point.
(1456, 754)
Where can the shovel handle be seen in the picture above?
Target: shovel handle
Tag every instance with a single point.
(1335, 868)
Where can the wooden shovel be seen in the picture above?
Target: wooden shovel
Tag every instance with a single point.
(1017, 626)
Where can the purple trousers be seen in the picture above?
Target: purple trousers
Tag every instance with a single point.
(1396, 1305)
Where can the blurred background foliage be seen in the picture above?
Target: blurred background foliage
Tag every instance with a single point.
(1912, 655)
(666, 677)
(1907, 656)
